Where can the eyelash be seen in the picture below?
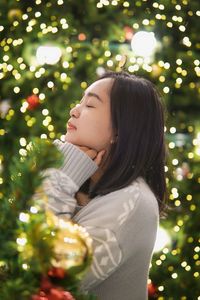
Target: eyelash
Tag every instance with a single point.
(86, 105)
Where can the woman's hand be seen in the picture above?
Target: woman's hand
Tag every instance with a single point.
(93, 154)
(82, 198)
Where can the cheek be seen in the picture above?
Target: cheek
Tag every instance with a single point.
(95, 133)
(101, 133)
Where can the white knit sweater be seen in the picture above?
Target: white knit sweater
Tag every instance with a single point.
(122, 224)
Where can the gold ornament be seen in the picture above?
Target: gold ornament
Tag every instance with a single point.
(54, 242)
(14, 14)
(72, 245)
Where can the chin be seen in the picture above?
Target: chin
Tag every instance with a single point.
(70, 139)
(66, 138)
(81, 142)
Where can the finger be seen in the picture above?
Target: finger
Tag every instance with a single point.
(99, 157)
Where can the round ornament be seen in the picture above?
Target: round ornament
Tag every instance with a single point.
(14, 14)
(151, 289)
(72, 246)
(33, 102)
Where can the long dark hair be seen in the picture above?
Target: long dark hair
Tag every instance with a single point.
(137, 116)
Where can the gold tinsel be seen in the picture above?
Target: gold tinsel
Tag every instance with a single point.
(72, 245)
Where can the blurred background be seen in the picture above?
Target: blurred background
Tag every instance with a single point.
(50, 51)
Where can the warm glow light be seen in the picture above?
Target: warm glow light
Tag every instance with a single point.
(143, 43)
(48, 55)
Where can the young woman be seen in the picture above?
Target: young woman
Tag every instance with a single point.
(112, 181)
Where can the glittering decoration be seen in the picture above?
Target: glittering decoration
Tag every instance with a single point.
(72, 246)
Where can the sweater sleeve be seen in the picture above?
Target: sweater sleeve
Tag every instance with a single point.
(60, 185)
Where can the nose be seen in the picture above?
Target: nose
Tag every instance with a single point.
(74, 112)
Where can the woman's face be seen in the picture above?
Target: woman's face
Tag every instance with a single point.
(92, 117)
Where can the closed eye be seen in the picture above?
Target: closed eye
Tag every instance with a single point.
(90, 106)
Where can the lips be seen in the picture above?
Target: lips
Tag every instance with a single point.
(70, 126)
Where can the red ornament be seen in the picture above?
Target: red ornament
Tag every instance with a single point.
(68, 296)
(56, 294)
(41, 296)
(53, 294)
(46, 284)
(82, 37)
(33, 102)
(128, 33)
(48, 291)
(57, 272)
(151, 289)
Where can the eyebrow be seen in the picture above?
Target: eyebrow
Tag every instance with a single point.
(90, 94)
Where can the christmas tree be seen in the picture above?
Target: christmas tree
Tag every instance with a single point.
(50, 52)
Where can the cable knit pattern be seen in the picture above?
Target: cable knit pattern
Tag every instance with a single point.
(60, 188)
(122, 224)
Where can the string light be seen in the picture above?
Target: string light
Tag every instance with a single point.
(21, 241)
(143, 43)
(48, 54)
(33, 210)
(23, 217)
(56, 64)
